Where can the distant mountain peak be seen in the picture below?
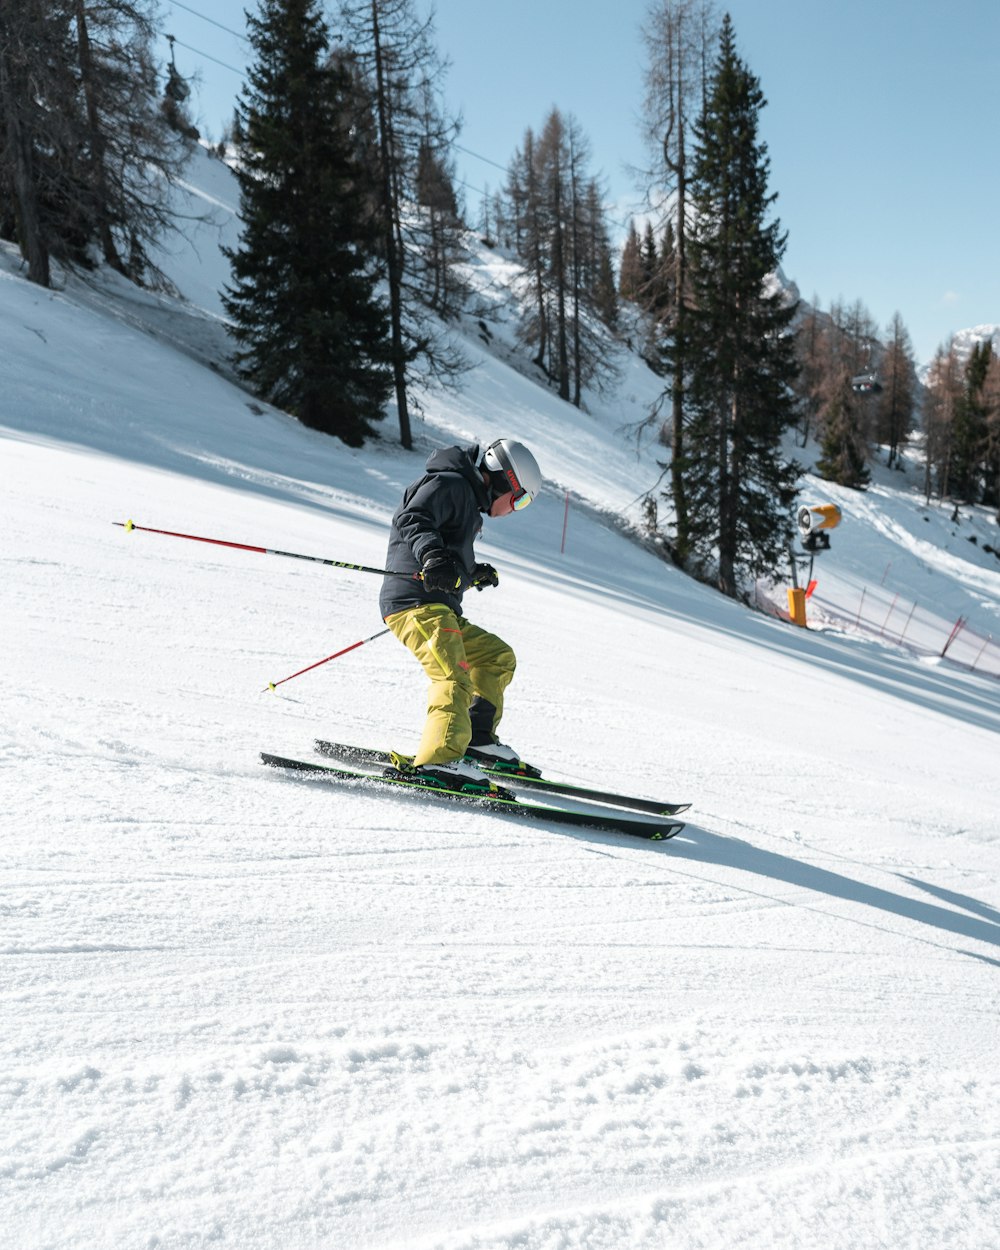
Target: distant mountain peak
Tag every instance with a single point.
(966, 340)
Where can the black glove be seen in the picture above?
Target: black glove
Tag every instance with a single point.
(442, 572)
(484, 575)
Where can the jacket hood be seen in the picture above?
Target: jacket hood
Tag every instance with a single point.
(463, 461)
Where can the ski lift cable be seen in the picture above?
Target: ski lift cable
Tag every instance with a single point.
(469, 186)
(228, 29)
(486, 159)
(207, 57)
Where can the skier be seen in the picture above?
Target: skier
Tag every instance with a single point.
(431, 555)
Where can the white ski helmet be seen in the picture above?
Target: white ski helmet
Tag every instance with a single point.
(513, 470)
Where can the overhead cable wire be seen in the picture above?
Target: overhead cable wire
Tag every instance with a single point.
(469, 187)
(177, 4)
(228, 29)
(198, 52)
(469, 152)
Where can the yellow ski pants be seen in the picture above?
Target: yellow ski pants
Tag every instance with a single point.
(462, 661)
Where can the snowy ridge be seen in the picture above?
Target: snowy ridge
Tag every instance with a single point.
(244, 1011)
(966, 340)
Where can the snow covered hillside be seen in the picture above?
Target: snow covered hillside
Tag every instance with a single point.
(250, 1010)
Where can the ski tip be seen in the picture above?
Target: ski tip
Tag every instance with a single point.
(663, 834)
(671, 831)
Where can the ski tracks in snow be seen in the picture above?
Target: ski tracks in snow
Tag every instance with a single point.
(687, 1143)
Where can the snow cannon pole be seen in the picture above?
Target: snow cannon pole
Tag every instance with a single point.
(267, 551)
(273, 685)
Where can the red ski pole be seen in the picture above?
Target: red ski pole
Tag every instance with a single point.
(273, 685)
(267, 551)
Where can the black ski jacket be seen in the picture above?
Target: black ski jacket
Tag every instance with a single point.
(439, 512)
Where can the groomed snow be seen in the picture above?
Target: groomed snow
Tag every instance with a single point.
(246, 1009)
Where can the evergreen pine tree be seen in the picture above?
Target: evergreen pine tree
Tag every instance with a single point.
(649, 259)
(812, 338)
(834, 350)
(969, 437)
(313, 337)
(630, 268)
(34, 149)
(942, 399)
(664, 294)
(842, 458)
(740, 489)
(991, 402)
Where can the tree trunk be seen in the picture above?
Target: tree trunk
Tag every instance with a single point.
(559, 275)
(728, 496)
(677, 481)
(97, 146)
(393, 257)
(29, 228)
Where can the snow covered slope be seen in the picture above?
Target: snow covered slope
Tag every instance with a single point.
(247, 1010)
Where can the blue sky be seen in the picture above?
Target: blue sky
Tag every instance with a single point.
(882, 126)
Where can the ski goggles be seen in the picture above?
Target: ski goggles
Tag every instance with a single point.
(510, 501)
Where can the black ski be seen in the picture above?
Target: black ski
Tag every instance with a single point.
(653, 831)
(368, 755)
